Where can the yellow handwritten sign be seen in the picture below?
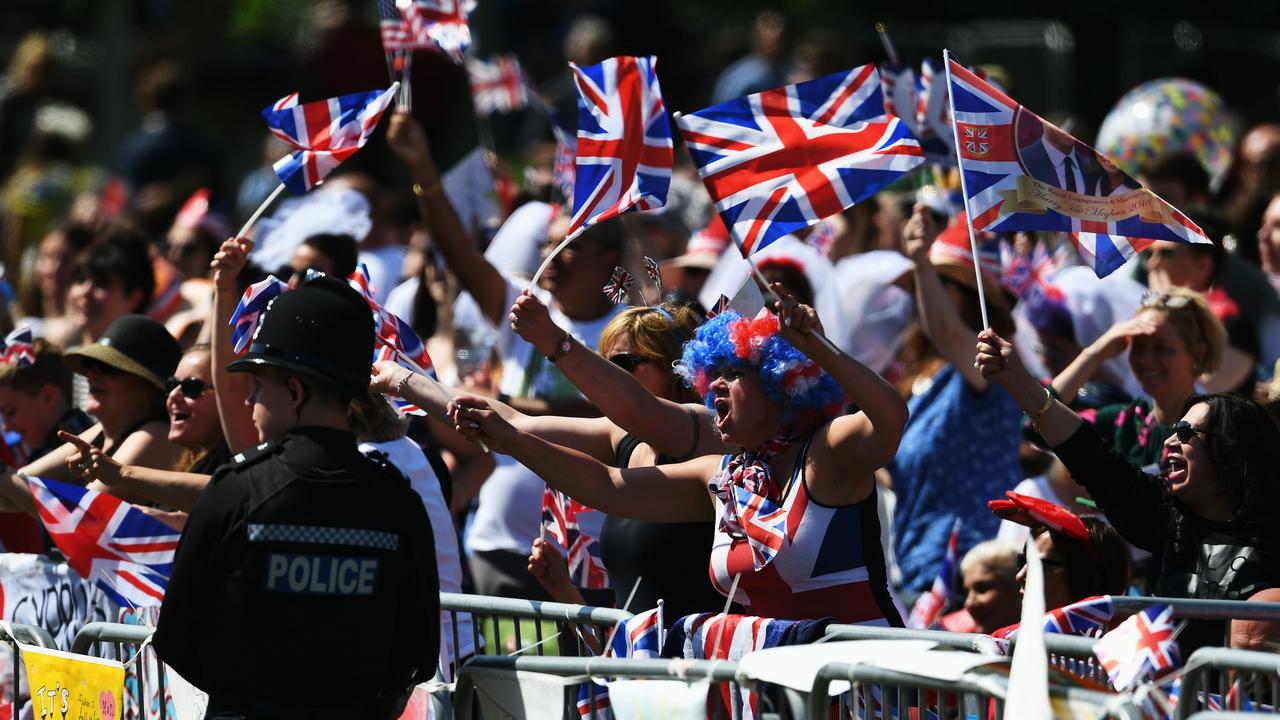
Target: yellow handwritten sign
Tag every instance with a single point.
(1034, 196)
(73, 687)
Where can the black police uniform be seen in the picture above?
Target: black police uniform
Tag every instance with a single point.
(305, 582)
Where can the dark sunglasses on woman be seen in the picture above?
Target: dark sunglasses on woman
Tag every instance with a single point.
(192, 387)
(1185, 431)
(629, 361)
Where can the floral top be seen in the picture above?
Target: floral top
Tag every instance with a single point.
(1132, 429)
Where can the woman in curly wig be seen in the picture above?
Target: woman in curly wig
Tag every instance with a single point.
(794, 505)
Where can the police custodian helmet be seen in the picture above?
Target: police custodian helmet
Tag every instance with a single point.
(322, 330)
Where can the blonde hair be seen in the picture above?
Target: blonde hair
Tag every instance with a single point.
(999, 556)
(658, 333)
(372, 419)
(1199, 328)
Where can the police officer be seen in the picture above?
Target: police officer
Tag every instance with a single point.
(305, 582)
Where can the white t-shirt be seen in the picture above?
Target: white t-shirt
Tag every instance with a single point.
(510, 510)
(409, 459)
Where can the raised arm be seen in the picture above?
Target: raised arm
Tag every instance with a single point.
(670, 427)
(178, 490)
(860, 443)
(938, 315)
(461, 252)
(230, 389)
(593, 436)
(1112, 343)
(666, 493)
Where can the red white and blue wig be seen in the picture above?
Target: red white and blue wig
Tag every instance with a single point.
(808, 394)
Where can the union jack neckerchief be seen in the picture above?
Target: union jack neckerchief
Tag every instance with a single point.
(750, 498)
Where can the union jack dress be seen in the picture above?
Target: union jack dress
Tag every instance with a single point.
(830, 562)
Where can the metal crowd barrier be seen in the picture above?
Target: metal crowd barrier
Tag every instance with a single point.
(28, 635)
(533, 627)
(975, 695)
(122, 636)
(719, 672)
(1243, 679)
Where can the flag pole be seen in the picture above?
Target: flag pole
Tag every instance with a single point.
(964, 191)
(261, 209)
(887, 42)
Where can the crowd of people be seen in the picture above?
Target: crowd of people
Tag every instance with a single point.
(803, 450)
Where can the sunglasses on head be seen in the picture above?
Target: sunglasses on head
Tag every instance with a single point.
(1165, 301)
(1185, 431)
(629, 361)
(192, 387)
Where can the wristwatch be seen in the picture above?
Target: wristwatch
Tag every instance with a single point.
(562, 348)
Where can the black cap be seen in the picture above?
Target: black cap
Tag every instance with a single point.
(322, 330)
(134, 344)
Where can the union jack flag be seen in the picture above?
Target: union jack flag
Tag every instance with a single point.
(108, 541)
(624, 141)
(253, 304)
(323, 133)
(781, 160)
(255, 301)
(1027, 276)
(497, 85)
(1023, 173)
(653, 271)
(639, 636)
(899, 85)
(618, 286)
(721, 305)
(930, 605)
(582, 552)
(763, 523)
(439, 23)
(394, 339)
(1144, 644)
(1084, 617)
(593, 701)
(18, 348)
(394, 29)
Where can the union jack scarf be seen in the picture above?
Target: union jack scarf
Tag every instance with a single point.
(618, 286)
(750, 498)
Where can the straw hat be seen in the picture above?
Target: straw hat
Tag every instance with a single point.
(134, 344)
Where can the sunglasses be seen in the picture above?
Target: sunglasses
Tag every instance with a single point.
(192, 387)
(1185, 431)
(629, 361)
(1165, 301)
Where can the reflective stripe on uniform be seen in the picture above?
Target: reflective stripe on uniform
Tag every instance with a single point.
(317, 535)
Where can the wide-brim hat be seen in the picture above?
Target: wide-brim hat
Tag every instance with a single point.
(323, 331)
(134, 344)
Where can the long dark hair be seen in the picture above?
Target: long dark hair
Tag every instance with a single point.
(1243, 444)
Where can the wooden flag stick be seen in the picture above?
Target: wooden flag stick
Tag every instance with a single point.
(261, 209)
(964, 193)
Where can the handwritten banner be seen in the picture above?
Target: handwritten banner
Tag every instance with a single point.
(73, 687)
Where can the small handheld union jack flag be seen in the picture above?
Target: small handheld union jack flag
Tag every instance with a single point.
(248, 314)
(582, 551)
(779, 161)
(439, 23)
(394, 339)
(108, 541)
(323, 133)
(1027, 276)
(1142, 645)
(721, 305)
(931, 604)
(497, 85)
(17, 348)
(619, 286)
(624, 141)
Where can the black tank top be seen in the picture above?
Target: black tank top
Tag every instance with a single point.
(670, 559)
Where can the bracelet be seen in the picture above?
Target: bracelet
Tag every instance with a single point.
(1048, 403)
(434, 188)
(400, 386)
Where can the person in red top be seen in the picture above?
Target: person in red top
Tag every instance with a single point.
(802, 474)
